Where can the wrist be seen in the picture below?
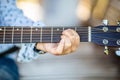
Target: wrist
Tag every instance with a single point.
(38, 50)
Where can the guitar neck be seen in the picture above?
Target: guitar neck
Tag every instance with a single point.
(44, 34)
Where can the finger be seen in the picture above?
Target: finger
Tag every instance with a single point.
(67, 43)
(76, 40)
(72, 36)
(59, 49)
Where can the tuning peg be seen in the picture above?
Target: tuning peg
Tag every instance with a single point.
(106, 51)
(118, 23)
(118, 52)
(105, 22)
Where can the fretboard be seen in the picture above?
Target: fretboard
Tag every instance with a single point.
(32, 35)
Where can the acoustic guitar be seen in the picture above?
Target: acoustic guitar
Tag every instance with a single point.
(105, 35)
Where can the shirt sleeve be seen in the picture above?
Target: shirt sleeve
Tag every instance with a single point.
(26, 53)
(12, 16)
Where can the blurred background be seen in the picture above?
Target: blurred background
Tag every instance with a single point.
(89, 62)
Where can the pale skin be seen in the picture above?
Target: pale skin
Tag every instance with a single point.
(69, 43)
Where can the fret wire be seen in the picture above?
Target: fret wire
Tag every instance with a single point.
(63, 28)
(51, 34)
(75, 28)
(12, 34)
(1, 35)
(41, 35)
(21, 34)
(4, 35)
(31, 35)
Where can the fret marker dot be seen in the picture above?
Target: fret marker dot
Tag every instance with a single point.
(58, 29)
(17, 29)
(36, 29)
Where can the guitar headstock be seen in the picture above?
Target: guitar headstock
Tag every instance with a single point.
(106, 35)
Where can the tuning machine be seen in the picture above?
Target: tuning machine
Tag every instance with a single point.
(106, 50)
(118, 52)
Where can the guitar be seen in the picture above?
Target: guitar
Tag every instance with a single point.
(104, 35)
(101, 35)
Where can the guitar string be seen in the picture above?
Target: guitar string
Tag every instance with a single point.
(62, 30)
(82, 38)
(28, 33)
(106, 38)
(58, 31)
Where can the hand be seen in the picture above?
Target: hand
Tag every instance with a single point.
(69, 42)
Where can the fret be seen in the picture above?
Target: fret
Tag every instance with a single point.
(8, 35)
(69, 28)
(1, 35)
(4, 35)
(26, 36)
(21, 34)
(12, 34)
(57, 34)
(46, 34)
(41, 34)
(36, 33)
(51, 34)
(83, 33)
(17, 35)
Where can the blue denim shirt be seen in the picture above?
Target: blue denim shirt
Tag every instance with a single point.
(10, 15)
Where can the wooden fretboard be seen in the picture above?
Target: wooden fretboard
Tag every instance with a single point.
(33, 35)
